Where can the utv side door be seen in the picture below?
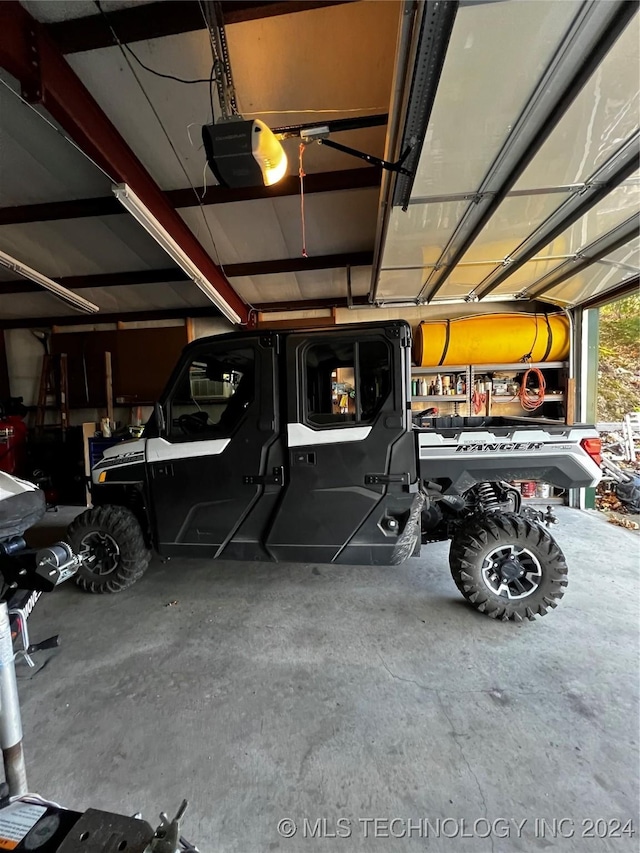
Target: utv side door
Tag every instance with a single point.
(351, 458)
(215, 473)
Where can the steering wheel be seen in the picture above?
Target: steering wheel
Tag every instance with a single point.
(193, 422)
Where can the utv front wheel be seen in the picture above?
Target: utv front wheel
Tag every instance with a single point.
(110, 540)
(508, 567)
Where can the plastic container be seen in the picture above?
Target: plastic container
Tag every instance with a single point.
(528, 489)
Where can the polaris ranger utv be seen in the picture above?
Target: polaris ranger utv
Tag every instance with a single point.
(299, 445)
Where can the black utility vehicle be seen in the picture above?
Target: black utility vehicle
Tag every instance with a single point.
(299, 445)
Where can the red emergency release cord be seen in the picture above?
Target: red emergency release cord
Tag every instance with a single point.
(302, 175)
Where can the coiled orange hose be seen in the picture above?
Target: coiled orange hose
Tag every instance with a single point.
(528, 400)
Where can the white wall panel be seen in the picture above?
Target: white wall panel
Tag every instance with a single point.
(310, 284)
(111, 300)
(88, 246)
(64, 10)
(36, 163)
(269, 229)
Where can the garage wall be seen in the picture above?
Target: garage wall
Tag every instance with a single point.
(24, 360)
(24, 363)
(204, 326)
(412, 314)
(24, 351)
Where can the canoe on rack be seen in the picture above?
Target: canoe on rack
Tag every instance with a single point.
(492, 338)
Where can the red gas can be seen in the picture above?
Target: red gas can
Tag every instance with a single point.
(528, 489)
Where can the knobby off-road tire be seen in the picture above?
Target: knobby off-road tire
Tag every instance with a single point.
(111, 539)
(508, 567)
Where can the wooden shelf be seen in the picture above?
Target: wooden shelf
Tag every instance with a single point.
(549, 398)
(490, 368)
(519, 366)
(454, 368)
(441, 398)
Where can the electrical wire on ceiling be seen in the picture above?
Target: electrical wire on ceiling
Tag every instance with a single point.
(214, 59)
(204, 179)
(211, 79)
(146, 67)
(146, 97)
(163, 128)
(160, 73)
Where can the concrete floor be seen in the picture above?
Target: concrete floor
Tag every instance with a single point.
(261, 692)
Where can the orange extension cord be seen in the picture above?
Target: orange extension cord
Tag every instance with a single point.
(479, 401)
(528, 400)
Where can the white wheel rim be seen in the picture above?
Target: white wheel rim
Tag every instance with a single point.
(511, 556)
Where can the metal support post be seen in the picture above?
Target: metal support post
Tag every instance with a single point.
(10, 721)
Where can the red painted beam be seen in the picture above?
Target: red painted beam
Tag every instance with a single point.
(320, 182)
(29, 54)
(53, 211)
(170, 314)
(310, 304)
(109, 279)
(301, 264)
(97, 319)
(174, 274)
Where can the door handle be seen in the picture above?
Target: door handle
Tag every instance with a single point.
(165, 470)
(276, 478)
(303, 458)
(266, 424)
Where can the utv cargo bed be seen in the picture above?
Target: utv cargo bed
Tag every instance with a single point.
(463, 451)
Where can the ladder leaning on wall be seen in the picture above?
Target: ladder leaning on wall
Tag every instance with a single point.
(54, 382)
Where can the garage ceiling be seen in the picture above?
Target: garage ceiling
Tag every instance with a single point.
(526, 184)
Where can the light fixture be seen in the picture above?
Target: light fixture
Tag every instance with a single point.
(141, 212)
(58, 290)
(244, 153)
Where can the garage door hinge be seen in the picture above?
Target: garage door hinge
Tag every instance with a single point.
(276, 478)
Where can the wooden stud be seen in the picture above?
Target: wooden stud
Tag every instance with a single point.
(109, 386)
(570, 401)
(64, 393)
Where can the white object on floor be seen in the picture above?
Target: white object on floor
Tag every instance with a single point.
(10, 486)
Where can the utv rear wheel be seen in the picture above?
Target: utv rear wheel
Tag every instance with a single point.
(111, 542)
(508, 567)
